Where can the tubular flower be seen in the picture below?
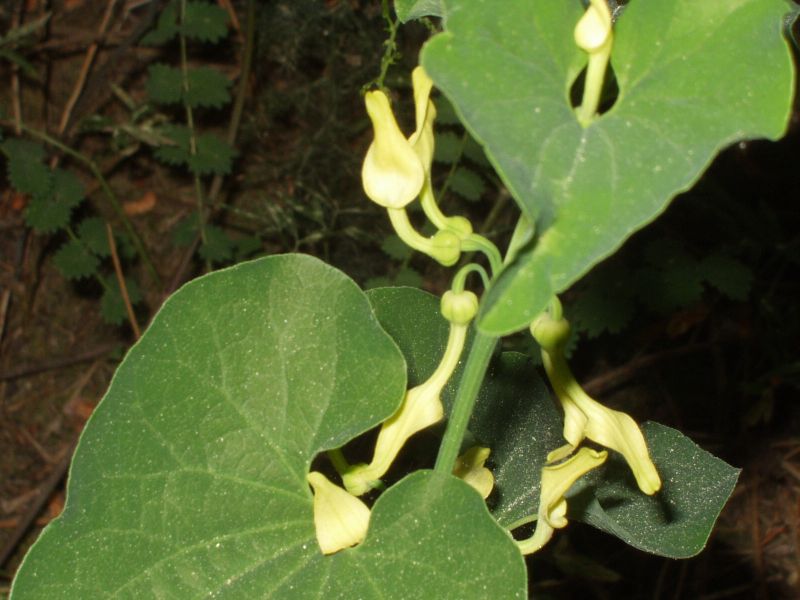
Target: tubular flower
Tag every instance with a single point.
(395, 168)
(340, 520)
(584, 417)
(392, 173)
(422, 406)
(594, 35)
(593, 31)
(556, 480)
(470, 467)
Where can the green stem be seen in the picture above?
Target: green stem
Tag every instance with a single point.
(198, 186)
(467, 394)
(478, 242)
(593, 86)
(460, 280)
(109, 193)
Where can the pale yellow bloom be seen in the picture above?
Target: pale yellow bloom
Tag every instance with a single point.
(392, 173)
(395, 168)
(557, 478)
(340, 519)
(422, 405)
(470, 467)
(593, 31)
(584, 417)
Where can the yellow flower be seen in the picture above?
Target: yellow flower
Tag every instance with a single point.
(593, 32)
(470, 467)
(422, 406)
(341, 520)
(392, 173)
(395, 168)
(556, 480)
(584, 417)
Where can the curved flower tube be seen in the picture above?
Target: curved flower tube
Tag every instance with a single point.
(584, 417)
(593, 34)
(422, 406)
(470, 467)
(556, 480)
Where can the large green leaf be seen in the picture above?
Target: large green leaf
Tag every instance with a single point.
(677, 521)
(189, 479)
(692, 76)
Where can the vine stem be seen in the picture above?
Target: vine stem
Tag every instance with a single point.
(198, 185)
(468, 388)
(109, 193)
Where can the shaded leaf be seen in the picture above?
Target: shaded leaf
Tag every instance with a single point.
(728, 275)
(92, 232)
(214, 156)
(74, 261)
(164, 84)
(112, 306)
(676, 521)
(205, 22)
(468, 184)
(218, 246)
(395, 248)
(26, 170)
(448, 147)
(208, 87)
(167, 27)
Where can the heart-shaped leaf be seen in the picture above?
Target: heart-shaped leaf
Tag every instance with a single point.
(692, 76)
(189, 479)
(677, 521)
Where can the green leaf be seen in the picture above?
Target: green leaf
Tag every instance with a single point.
(112, 306)
(468, 184)
(218, 246)
(412, 318)
(74, 261)
(731, 277)
(205, 22)
(408, 277)
(690, 83)
(208, 88)
(395, 248)
(189, 479)
(178, 153)
(92, 232)
(186, 230)
(214, 156)
(675, 522)
(448, 147)
(606, 302)
(167, 27)
(164, 84)
(27, 172)
(414, 9)
(517, 419)
(246, 246)
(67, 188)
